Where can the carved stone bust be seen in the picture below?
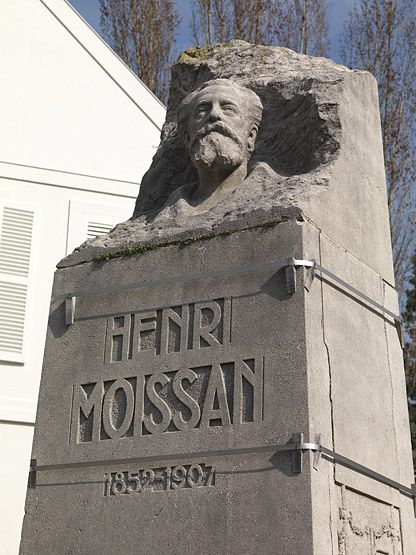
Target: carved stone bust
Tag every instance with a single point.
(257, 135)
(218, 124)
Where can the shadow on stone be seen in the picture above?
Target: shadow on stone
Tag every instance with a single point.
(276, 286)
(57, 320)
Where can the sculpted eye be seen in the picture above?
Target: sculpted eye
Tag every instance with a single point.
(200, 111)
(229, 108)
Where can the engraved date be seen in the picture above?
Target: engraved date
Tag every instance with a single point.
(166, 478)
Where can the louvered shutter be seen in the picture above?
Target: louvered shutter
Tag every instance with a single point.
(98, 228)
(89, 219)
(16, 230)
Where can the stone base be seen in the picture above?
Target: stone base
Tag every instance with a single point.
(160, 406)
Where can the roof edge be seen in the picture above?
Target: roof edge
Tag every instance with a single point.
(96, 47)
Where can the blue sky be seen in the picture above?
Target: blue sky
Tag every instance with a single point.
(337, 13)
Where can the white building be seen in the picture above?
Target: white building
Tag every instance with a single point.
(77, 132)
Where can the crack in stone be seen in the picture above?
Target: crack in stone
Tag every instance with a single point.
(383, 292)
(331, 528)
(327, 353)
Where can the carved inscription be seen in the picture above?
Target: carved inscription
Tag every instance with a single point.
(222, 394)
(354, 538)
(168, 330)
(159, 479)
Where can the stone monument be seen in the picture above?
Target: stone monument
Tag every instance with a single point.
(223, 372)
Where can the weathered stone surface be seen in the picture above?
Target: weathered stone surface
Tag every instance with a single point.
(190, 363)
(300, 131)
(255, 498)
(319, 136)
(331, 366)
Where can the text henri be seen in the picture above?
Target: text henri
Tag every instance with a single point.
(167, 330)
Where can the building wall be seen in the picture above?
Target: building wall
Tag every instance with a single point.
(13, 479)
(62, 217)
(78, 131)
(67, 102)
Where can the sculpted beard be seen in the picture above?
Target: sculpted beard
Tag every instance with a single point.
(216, 145)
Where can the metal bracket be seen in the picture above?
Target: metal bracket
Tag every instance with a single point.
(300, 447)
(297, 446)
(400, 332)
(292, 264)
(297, 455)
(312, 264)
(31, 481)
(365, 471)
(318, 453)
(70, 310)
(290, 277)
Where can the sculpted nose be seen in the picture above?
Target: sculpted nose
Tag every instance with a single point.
(215, 114)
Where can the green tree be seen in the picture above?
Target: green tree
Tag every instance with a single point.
(410, 353)
(142, 32)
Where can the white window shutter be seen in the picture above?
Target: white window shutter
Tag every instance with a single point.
(97, 228)
(89, 219)
(16, 230)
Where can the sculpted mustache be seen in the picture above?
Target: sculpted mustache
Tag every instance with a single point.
(219, 127)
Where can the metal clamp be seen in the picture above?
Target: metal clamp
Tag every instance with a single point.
(292, 264)
(70, 310)
(31, 481)
(299, 447)
(296, 445)
(313, 266)
(321, 451)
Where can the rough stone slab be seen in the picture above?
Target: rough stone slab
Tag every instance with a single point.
(192, 356)
(319, 138)
(354, 356)
(368, 527)
(316, 380)
(227, 516)
(355, 337)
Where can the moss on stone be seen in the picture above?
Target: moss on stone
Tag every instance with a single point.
(201, 53)
(194, 53)
(141, 249)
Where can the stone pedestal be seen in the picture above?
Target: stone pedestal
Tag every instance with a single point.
(193, 400)
(163, 406)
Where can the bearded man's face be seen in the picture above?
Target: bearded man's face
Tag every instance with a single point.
(219, 130)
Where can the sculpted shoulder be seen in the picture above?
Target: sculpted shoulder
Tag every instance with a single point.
(182, 200)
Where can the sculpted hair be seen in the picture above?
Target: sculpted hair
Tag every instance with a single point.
(252, 103)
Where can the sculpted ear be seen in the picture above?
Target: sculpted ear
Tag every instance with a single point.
(181, 130)
(251, 141)
(185, 137)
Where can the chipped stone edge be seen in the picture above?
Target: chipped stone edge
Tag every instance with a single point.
(104, 254)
